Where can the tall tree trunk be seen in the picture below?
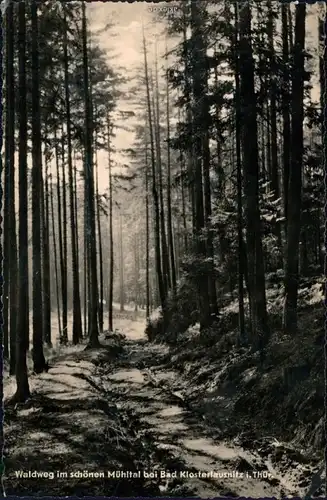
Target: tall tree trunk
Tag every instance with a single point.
(323, 100)
(199, 89)
(273, 104)
(86, 262)
(77, 314)
(22, 391)
(156, 124)
(220, 174)
(188, 92)
(38, 356)
(286, 110)
(93, 332)
(240, 242)
(322, 63)
(207, 217)
(136, 272)
(178, 246)
(100, 243)
(207, 196)
(256, 277)
(87, 282)
(10, 168)
(64, 277)
(55, 256)
(121, 265)
(147, 235)
(169, 216)
(76, 208)
(61, 247)
(273, 117)
(161, 287)
(9, 117)
(46, 257)
(111, 240)
(295, 179)
(5, 253)
(182, 175)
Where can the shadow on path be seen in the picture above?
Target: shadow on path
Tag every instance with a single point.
(68, 431)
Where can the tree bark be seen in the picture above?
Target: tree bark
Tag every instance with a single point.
(100, 244)
(22, 391)
(46, 257)
(147, 235)
(121, 265)
(12, 262)
(64, 276)
(169, 215)
(111, 240)
(38, 356)
(93, 332)
(286, 110)
(199, 89)
(256, 277)
(240, 242)
(60, 237)
(295, 179)
(55, 256)
(77, 314)
(161, 287)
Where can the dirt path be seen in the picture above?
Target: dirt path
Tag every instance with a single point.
(68, 436)
(200, 465)
(118, 410)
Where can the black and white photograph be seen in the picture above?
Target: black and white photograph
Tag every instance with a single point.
(163, 248)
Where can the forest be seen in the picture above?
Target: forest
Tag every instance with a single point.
(163, 248)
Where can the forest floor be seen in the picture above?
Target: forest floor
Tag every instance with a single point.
(147, 409)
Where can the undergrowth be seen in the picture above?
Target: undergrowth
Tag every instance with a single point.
(283, 397)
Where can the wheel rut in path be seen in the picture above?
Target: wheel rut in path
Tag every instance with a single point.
(205, 467)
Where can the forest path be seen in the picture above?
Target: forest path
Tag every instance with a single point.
(119, 409)
(59, 431)
(201, 466)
